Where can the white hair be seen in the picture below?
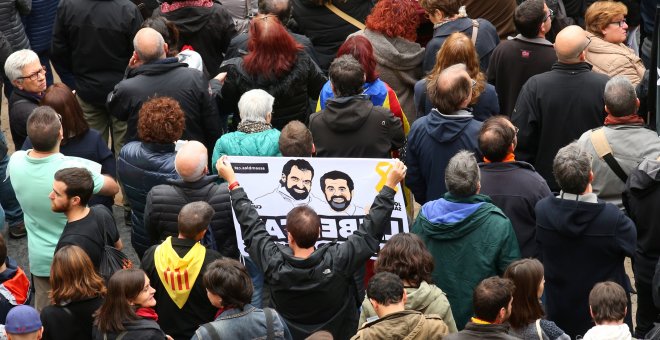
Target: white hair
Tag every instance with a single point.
(254, 105)
(17, 61)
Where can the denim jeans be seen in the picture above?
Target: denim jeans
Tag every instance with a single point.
(257, 281)
(12, 210)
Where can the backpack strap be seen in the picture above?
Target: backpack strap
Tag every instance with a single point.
(121, 335)
(604, 152)
(344, 15)
(475, 31)
(269, 324)
(213, 333)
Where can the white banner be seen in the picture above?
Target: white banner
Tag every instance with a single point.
(340, 190)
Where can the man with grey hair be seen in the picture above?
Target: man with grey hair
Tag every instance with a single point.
(469, 237)
(625, 139)
(151, 73)
(166, 200)
(351, 125)
(556, 107)
(582, 241)
(255, 135)
(436, 137)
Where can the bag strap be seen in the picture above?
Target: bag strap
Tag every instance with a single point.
(269, 323)
(213, 333)
(121, 335)
(538, 329)
(604, 152)
(475, 31)
(344, 15)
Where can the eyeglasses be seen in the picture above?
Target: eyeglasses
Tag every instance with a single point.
(585, 47)
(620, 23)
(34, 76)
(551, 14)
(59, 116)
(516, 129)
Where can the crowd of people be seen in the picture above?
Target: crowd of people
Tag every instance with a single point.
(516, 130)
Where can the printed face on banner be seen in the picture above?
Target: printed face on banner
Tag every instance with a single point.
(339, 190)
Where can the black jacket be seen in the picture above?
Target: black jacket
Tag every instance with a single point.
(355, 127)
(11, 25)
(553, 109)
(181, 323)
(477, 331)
(316, 293)
(170, 78)
(238, 46)
(73, 321)
(327, 30)
(207, 29)
(515, 187)
(21, 104)
(140, 329)
(94, 40)
(164, 203)
(292, 91)
(581, 243)
(642, 199)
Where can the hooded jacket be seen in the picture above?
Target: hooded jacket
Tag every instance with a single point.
(399, 64)
(641, 199)
(427, 299)
(354, 127)
(487, 39)
(207, 29)
(582, 242)
(167, 77)
(238, 143)
(14, 288)
(470, 239)
(403, 325)
(432, 141)
(292, 91)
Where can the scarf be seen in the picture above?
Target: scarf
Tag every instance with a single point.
(625, 120)
(177, 274)
(250, 126)
(147, 313)
(167, 7)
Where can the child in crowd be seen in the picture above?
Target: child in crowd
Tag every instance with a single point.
(14, 284)
(608, 306)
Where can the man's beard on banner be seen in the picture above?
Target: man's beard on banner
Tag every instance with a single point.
(340, 204)
(296, 195)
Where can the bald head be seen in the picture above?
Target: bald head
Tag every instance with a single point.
(451, 90)
(191, 161)
(149, 45)
(570, 43)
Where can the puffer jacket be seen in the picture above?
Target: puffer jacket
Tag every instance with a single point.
(292, 91)
(10, 22)
(140, 167)
(207, 29)
(264, 143)
(399, 64)
(326, 29)
(614, 59)
(427, 298)
(39, 24)
(164, 202)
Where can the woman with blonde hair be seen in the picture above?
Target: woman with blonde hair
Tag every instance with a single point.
(607, 52)
(459, 49)
(77, 291)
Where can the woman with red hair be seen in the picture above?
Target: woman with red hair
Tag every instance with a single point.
(275, 63)
(380, 93)
(391, 29)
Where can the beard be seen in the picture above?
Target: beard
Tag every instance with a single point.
(340, 204)
(296, 195)
(59, 209)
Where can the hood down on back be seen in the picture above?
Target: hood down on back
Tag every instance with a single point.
(345, 114)
(445, 220)
(571, 218)
(448, 129)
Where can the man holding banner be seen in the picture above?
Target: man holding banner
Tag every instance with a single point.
(305, 282)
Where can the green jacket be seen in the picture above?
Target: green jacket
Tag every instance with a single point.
(264, 143)
(427, 298)
(470, 239)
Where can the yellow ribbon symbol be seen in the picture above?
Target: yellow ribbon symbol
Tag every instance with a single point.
(382, 169)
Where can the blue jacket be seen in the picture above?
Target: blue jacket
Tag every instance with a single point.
(140, 167)
(487, 39)
(432, 141)
(39, 24)
(248, 322)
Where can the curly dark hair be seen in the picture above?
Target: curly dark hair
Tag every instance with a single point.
(161, 121)
(406, 256)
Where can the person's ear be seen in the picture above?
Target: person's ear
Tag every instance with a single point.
(591, 176)
(136, 57)
(283, 178)
(313, 149)
(501, 315)
(166, 48)
(75, 200)
(269, 117)
(17, 83)
(405, 296)
(607, 110)
(591, 312)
